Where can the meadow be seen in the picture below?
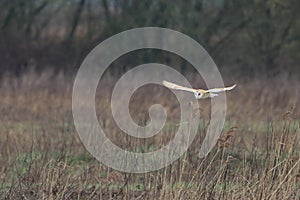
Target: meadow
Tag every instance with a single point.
(42, 157)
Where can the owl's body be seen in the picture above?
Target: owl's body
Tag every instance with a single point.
(199, 93)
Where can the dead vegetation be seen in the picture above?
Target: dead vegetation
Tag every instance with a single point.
(41, 155)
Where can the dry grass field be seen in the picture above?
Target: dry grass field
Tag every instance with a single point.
(42, 157)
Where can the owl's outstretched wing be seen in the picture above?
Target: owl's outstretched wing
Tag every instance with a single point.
(214, 90)
(177, 87)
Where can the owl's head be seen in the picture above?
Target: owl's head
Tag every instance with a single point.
(198, 95)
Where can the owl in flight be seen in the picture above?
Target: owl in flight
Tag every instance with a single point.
(199, 93)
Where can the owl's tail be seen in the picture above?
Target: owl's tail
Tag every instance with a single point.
(212, 95)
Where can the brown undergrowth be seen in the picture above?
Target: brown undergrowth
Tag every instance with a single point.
(42, 157)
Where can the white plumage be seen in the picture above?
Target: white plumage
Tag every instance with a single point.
(199, 93)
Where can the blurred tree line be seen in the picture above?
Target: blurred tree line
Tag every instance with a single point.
(242, 36)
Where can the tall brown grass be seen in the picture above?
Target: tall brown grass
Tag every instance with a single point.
(41, 156)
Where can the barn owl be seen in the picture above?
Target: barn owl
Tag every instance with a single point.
(199, 93)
